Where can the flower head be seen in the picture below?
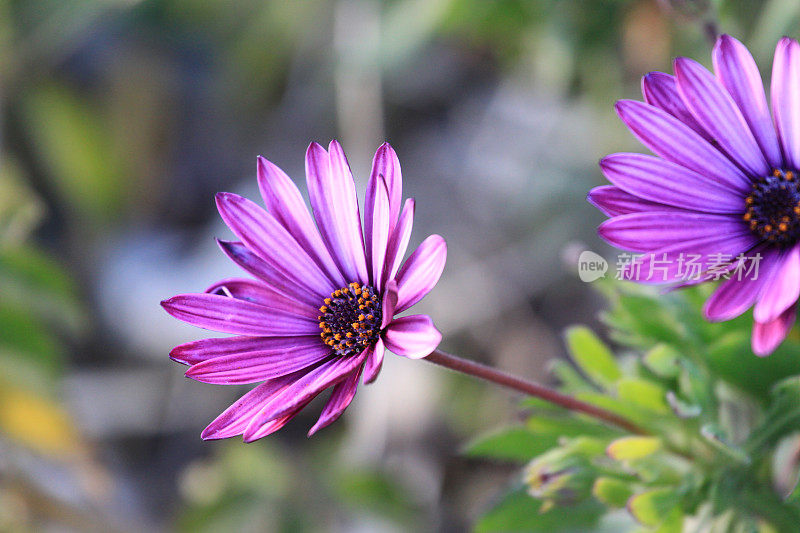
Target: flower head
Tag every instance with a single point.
(321, 310)
(722, 191)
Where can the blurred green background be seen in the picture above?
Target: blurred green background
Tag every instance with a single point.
(119, 120)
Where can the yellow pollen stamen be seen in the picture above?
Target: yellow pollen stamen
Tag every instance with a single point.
(347, 327)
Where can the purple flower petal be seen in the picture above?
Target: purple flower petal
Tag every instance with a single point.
(257, 292)
(671, 139)
(670, 264)
(251, 263)
(341, 396)
(420, 272)
(389, 303)
(782, 288)
(333, 196)
(235, 419)
(267, 363)
(386, 164)
(412, 336)
(265, 236)
(739, 74)
(273, 425)
(613, 201)
(195, 352)
(229, 315)
(398, 241)
(374, 361)
(304, 389)
(661, 90)
(786, 99)
(714, 108)
(657, 180)
(386, 167)
(768, 336)
(643, 232)
(378, 236)
(285, 203)
(735, 296)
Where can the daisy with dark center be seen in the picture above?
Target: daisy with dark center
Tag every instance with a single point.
(723, 184)
(322, 308)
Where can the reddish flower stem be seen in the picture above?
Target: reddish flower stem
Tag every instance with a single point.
(530, 388)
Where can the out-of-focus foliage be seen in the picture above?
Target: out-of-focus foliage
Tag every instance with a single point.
(39, 315)
(260, 487)
(720, 449)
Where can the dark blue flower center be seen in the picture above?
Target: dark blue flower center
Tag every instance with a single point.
(773, 208)
(350, 319)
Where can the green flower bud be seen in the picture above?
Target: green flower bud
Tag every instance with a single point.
(562, 476)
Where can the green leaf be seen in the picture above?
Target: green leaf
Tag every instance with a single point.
(39, 285)
(611, 491)
(21, 334)
(375, 492)
(644, 394)
(663, 360)
(730, 357)
(77, 149)
(592, 356)
(510, 444)
(553, 427)
(717, 438)
(633, 447)
(695, 385)
(571, 380)
(20, 209)
(787, 390)
(647, 320)
(653, 507)
(623, 408)
(518, 511)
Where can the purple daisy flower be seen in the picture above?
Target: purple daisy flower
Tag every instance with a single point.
(722, 188)
(321, 311)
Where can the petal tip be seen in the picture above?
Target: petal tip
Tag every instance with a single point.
(624, 107)
(210, 433)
